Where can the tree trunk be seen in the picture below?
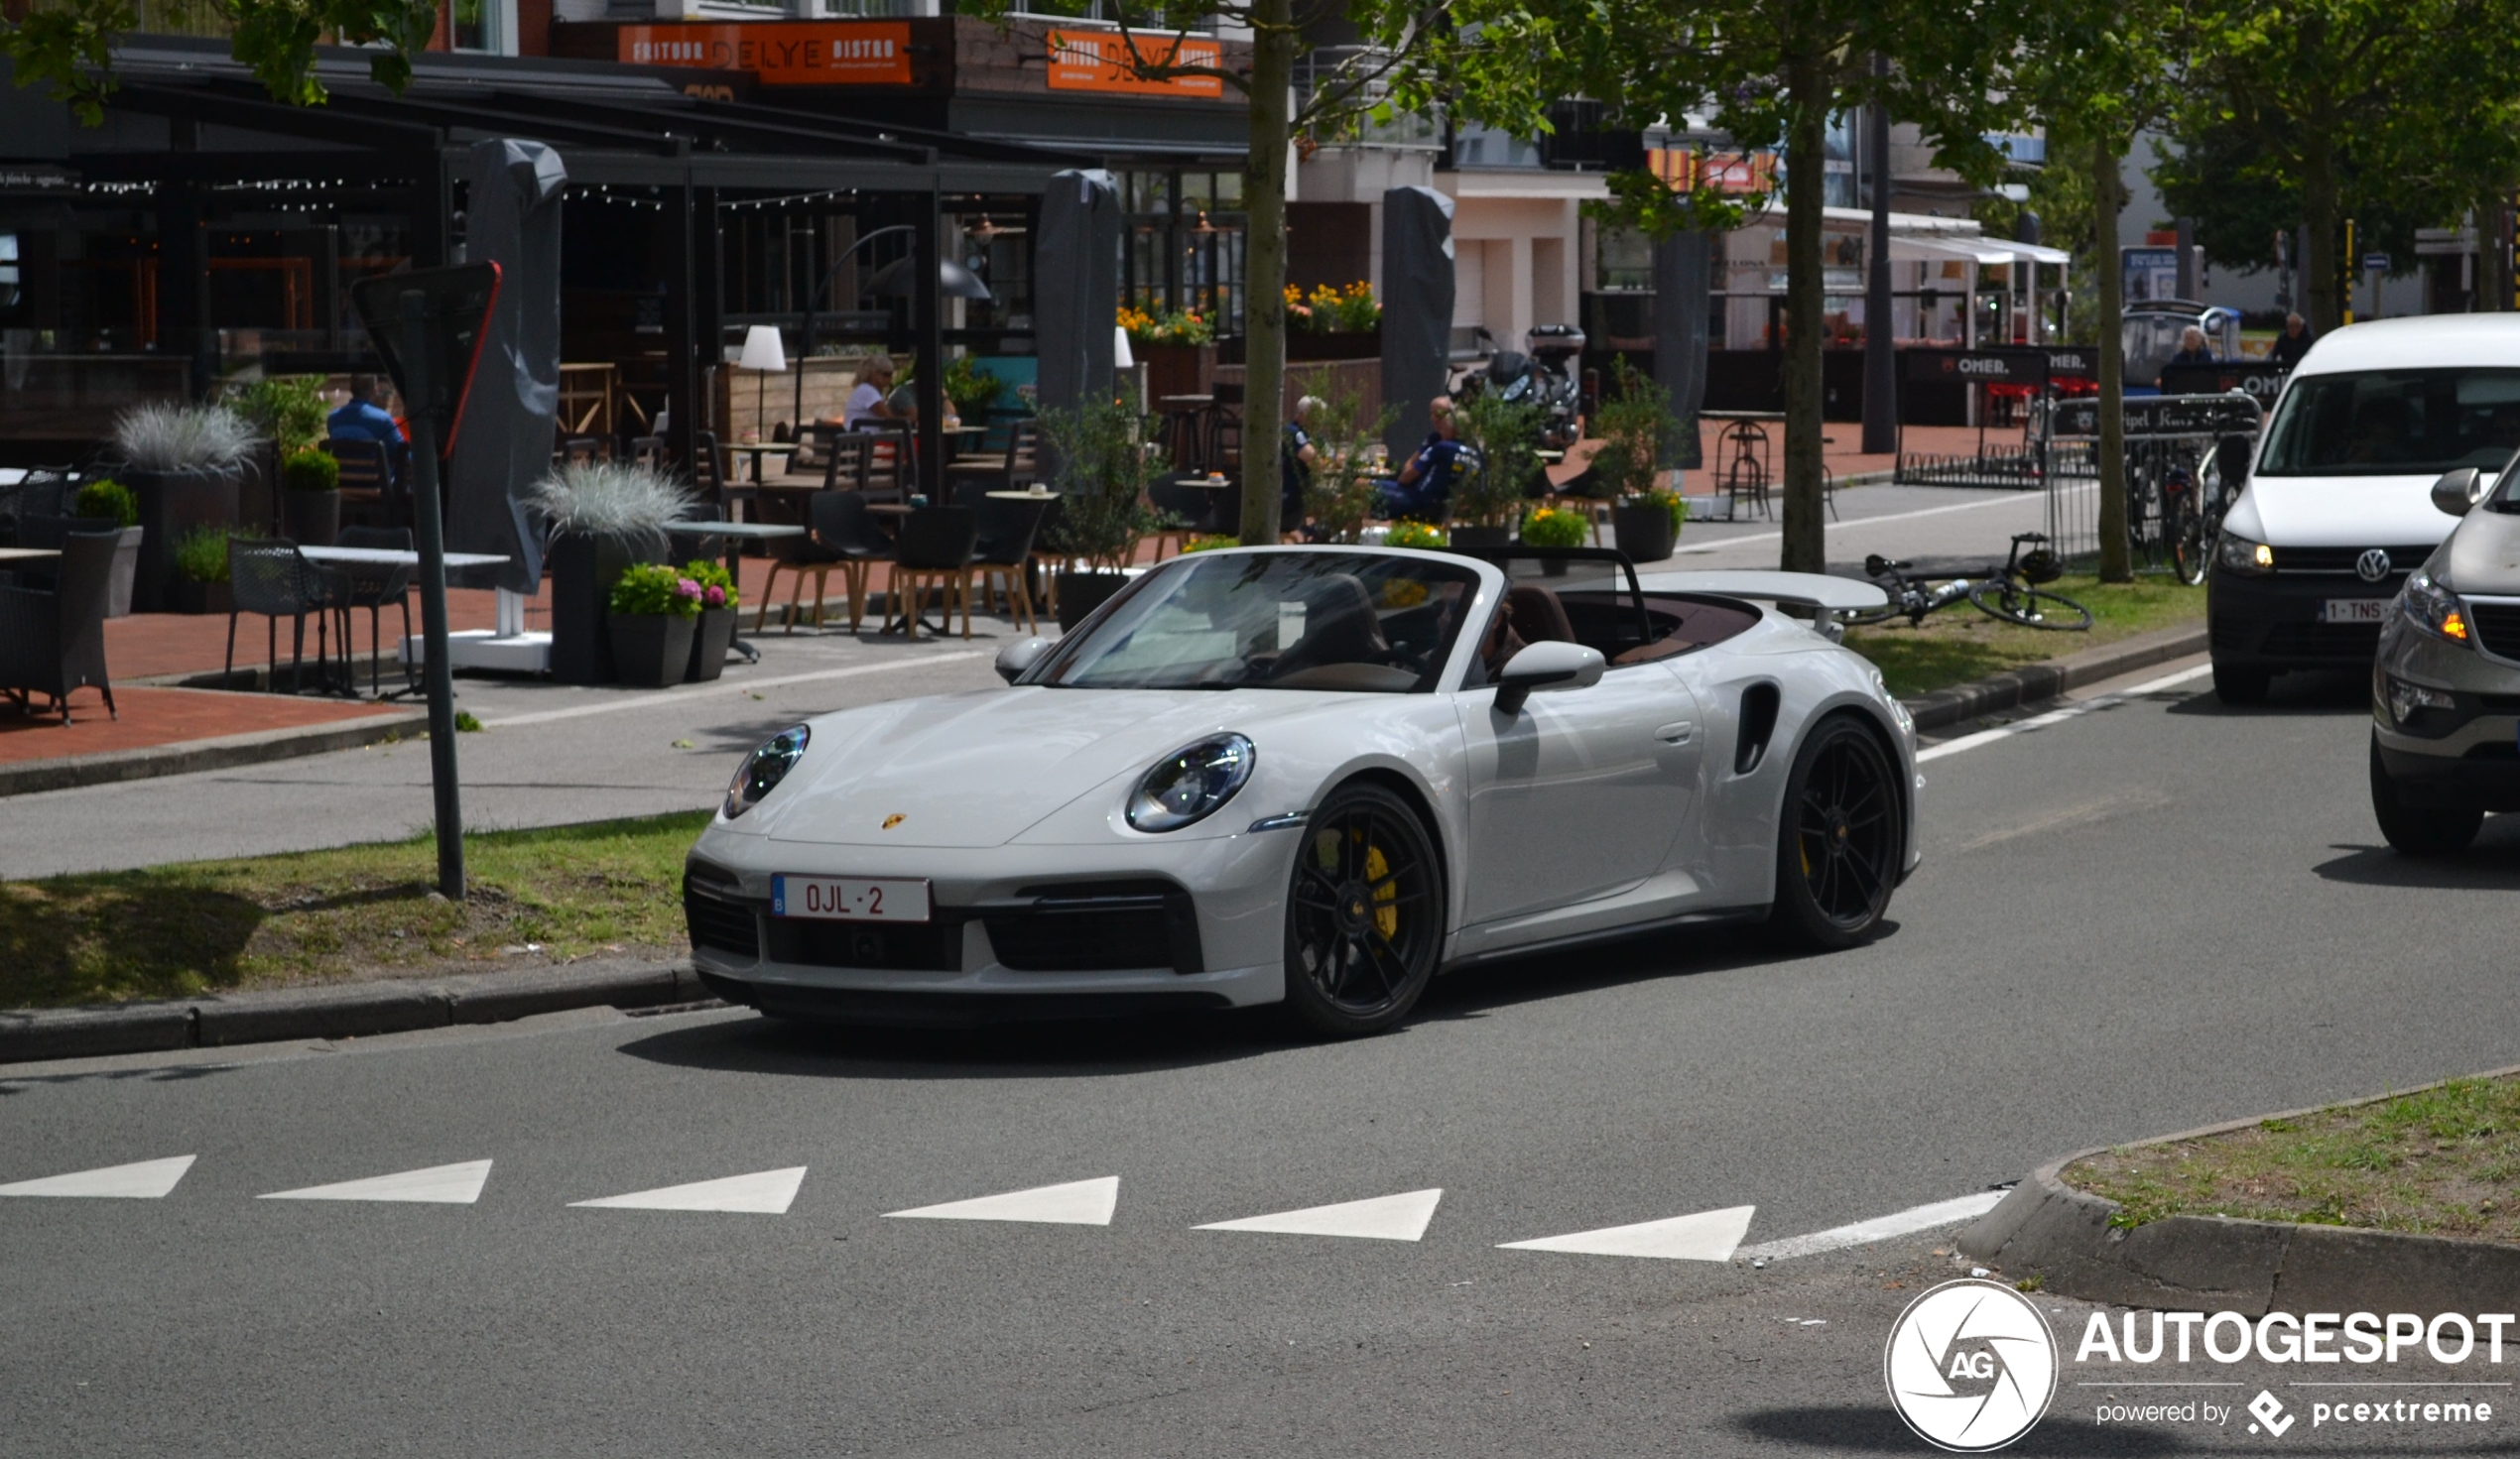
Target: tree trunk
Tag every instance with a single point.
(2321, 210)
(2493, 252)
(1264, 295)
(1805, 548)
(2108, 197)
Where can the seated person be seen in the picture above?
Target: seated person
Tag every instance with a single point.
(364, 418)
(1423, 490)
(870, 401)
(2192, 350)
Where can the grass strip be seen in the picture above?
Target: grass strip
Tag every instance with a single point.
(1961, 644)
(2439, 1162)
(607, 888)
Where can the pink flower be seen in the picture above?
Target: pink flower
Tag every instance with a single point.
(686, 588)
(715, 597)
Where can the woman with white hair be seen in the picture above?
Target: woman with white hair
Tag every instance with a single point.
(1295, 465)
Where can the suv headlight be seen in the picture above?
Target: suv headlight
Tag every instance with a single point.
(764, 768)
(1192, 781)
(2239, 555)
(2434, 609)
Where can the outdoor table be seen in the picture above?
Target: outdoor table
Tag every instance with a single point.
(759, 449)
(12, 475)
(46, 555)
(736, 534)
(508, 646)
(1043, 494)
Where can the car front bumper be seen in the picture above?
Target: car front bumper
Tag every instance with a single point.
(2464, 755)
(2273, 621)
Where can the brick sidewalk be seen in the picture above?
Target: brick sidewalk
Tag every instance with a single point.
(152, 717)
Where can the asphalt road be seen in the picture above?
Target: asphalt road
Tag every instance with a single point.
(2141, 918)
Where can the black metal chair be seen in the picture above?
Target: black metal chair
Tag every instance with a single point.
(372, 587)
(935, 547)
(45, 491)
(800, 555)
(270, 577)
(1003, 553)
(856, 540)
(53, 641)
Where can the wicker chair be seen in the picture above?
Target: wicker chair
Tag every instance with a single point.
(270, 577)
(54, 642)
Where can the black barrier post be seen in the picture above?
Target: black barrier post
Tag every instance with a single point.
(437, 673)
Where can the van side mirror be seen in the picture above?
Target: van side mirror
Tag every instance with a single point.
(1546, 666)
(2457, 490)
(1019, 656)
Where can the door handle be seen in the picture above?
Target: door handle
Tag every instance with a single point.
(1675, 733)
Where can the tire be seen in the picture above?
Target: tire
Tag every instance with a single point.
(1364, 914)
(2417, 830)
(2234, 684)
(2029, 607)
(1839, 838)
(2191, 545)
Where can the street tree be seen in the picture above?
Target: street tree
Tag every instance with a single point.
(68, 44)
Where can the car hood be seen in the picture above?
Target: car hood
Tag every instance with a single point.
(2484, 555)
(980, 768)
(2339, 512)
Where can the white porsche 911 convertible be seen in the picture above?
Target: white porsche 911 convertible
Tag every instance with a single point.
(1319, 775)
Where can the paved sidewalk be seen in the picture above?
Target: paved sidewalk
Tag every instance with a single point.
(152, 718)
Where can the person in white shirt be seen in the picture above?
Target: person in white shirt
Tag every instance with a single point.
(870, 401)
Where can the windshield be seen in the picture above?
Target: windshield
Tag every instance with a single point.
(1293, 620)
(2394, 423)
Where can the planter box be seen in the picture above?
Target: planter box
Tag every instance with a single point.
(172, 503)
(311, 519)
(125, 573)
(1080, 593)
(649, 650)
(583, 571)
(710, 641)
(1305, 347)
(1479, 538)
(183, 595)
(1645, 534)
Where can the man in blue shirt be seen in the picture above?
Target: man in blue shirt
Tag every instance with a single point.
(362, 419)
(1423, 490)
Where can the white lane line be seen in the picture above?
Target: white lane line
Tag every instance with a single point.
(1077, 1203)
(1879, 1228)
(445, 1186)
(1707, 1235)
(761, 1193)
(145, 1181)
(1402, 1217)
(2009, 499)
(2059, 716)
(676, 696)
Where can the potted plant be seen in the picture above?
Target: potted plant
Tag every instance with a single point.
(293, 412)
(715, 631)
(1332, 323)
(605, 517)
(971, 389)
(1178, 349)
(111, 501)
(185, 466)
(1103, 470)
(1503, 438)
(1414, 534)
(655, 611)
(200, 573)
(1555, 526)
(310, 498)
(1340, 496)
(1633, 428)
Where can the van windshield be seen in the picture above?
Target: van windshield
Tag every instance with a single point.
(2394, 423)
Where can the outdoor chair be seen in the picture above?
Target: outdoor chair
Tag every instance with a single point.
(1003, 553)
(52, 640)
(935, 547)
(1008, 470)
(848, 457)
(889, 463)
(708, 476)
(797, 555)
(1049, 561)
(53, 533)
(367, 479)
(372, 587)
(648, 451)
(44, 492)
(270, 577)
(844, 528)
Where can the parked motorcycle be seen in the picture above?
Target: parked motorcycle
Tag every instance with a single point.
(1546, 374)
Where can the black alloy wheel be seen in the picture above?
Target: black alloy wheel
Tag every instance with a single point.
(1842, 832)
(1364, 913)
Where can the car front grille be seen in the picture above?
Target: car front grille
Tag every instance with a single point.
(933, 948)
(1088, 927)
(2339, 641)
(718, 923)
(2345, 561)
(2497, 627)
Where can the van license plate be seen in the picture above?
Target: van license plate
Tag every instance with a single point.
(2355, 610)
(849, 899)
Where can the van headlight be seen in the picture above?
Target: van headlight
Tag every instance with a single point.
(2239, 555)
(1187, 783)
(2434, 609)
(764, 768)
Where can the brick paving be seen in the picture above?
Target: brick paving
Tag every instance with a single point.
(152, 717)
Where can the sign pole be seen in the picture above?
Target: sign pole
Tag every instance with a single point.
(437, 673)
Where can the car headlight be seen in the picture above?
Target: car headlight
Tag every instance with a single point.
(2434, 609)
(2239, 555)
(764, 768)
(1190, 783)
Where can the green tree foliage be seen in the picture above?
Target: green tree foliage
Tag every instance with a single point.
(68, 44)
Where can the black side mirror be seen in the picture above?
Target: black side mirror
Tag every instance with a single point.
(2231, 461)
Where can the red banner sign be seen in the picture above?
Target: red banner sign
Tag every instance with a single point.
(781, 53)
(1105, 60)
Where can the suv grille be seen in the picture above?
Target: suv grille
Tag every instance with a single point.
(720, 925)
(1083, 928)
(2497, 627)
(2341, 561)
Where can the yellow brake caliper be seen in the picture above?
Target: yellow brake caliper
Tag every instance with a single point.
(1386, 918)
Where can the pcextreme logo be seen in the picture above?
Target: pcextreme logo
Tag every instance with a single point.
(1971, 1365)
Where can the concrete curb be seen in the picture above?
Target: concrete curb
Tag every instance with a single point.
(2049, 1229)
(335, 1011)
(223, 753)
(2036, 682)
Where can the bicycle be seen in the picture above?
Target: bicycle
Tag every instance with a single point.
(2009, 593)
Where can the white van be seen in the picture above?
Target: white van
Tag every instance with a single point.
(2338, 506)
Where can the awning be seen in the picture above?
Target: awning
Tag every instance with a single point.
(1942, 250)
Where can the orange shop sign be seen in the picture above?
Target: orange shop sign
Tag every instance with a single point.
(1103, 61)
(781, 53)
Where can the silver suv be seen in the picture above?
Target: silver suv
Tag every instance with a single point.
(2446, 686)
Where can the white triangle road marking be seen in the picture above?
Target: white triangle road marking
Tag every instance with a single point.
(763, 1193)
(1707, 1235)
(145, 1180)
(446, 1185)
(1879, 1228)
(1401, 1217)
(1077, 1203)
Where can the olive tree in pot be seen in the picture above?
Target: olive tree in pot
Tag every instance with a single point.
(310, 498)
(1503, 438)
(654, 612)
(1104, 466)
(715, 632)
(605, 517)
(184, 465)
(111, 501)
(1633, 428)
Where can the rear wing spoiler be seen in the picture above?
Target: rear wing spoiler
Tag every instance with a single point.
(1804, 589)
